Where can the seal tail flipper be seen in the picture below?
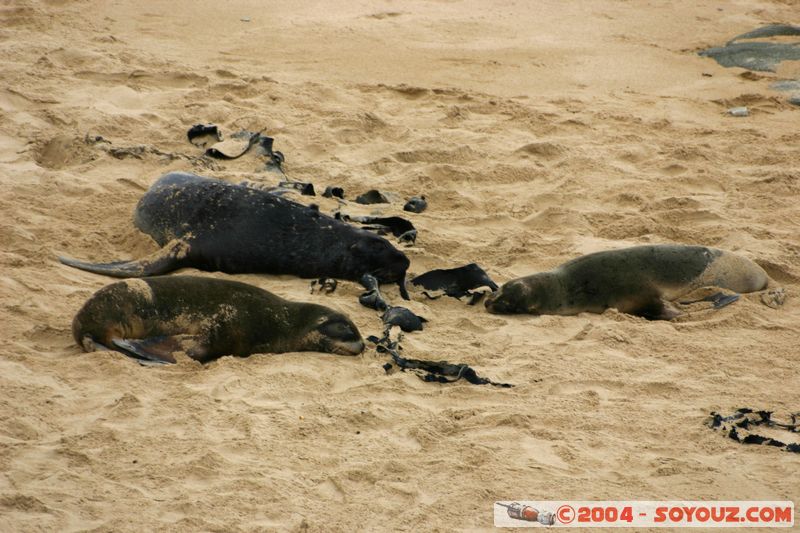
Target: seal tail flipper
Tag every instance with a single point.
(721, 299)
(156, 350)
(162, 350)
(717, 296)
(165, 260)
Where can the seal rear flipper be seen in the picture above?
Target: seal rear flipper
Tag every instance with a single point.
(721, 299)
(717, 296)
(165, 260)
(155, 349)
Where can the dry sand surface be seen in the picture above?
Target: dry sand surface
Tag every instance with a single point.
(538, 131)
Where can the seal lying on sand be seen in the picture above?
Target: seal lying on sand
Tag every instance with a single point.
(213, 225)
(642, 280)
(151, 319)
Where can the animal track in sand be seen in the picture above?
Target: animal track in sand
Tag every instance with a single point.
(604, 390)
(63, 151)
(331, 490)
(384, 15)
(544, 150)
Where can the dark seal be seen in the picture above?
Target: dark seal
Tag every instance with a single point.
(217, 226)
(643, 280)
(151, 319)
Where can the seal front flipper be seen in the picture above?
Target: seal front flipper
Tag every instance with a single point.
(88, 344)
(655, 309)
(403, 289)
(168, 258)
(162, 349)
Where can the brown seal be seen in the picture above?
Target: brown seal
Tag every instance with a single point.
(642, 280)
(151, 319)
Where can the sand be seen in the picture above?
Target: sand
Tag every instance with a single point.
(538, 131)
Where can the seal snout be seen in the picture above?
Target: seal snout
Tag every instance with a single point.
(511, 298)
(337, 334)
(489, 302)
(349, 348)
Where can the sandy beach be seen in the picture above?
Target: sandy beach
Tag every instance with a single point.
(538, 132)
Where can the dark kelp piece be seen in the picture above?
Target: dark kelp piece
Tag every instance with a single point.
(403, 318)
(770, 30)
(416, 204)
(326, 285)
(204, 134)
(429, 371)
(306, 189)
(738, 427)
(234, 148)
(409, 237)
(476, 297)
(374, 300)
(455, 282)
(398, 226)
(333, 192)
(757, 55)
(241, 143)
(275, 158)
(372, 196)
(373, 297)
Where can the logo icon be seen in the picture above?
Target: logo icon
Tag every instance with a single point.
(517, 511)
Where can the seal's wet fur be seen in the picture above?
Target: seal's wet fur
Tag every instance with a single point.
(154, 318)
(642, 280)
(217, 226)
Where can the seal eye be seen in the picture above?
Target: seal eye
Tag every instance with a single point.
(338, 330)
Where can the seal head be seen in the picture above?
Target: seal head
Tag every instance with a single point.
(532, 295)
(331, 332)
